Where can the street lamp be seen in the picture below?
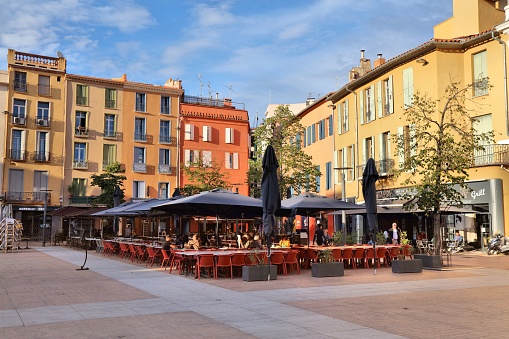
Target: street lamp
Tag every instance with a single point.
(44, 217)
(343, 195)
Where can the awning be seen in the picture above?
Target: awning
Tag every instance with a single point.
(73, 211)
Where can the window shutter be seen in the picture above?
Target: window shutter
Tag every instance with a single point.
(364, 159)
(340, 114)
(227, 163)
(391, 101)
(345, 117)
(229, 136)
(372, 115)
(379, 99)
(235, 160)
(187, 156)
(361, 106)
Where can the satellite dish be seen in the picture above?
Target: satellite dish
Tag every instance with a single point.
(59, 54)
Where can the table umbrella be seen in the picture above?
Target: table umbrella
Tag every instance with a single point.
(271, 196)
(369, 179)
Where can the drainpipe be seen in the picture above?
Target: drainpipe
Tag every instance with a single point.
(500, 41)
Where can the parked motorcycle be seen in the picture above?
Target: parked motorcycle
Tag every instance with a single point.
(498, 244)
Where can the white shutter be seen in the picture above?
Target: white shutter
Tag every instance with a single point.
(361, 106)
(206, 133)
(235, 160)
(340, 111)
(336, 165)
(364, 159)
(379, 99)
(372, 103)
(207, 158)
(189, 132)
(23, 141)
(187, 157)
(345, 127)
(141, 189)
(391, 96)
(401, 152)
(408, 86)
(227, 163)
(229, 135)
(381, 147)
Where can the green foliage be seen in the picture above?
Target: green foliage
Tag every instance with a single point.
(380, 239)
(337, 238)
(351, 239)
(107, 182)
(326, 255)
(296, 168)
(73, 189)
(257, 257)
(438, 148)
(204, 176)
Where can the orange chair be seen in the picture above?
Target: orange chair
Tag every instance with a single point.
(381, 254)
(223, 261)
(133, 252)
(238, 260)
(359, 257)
(292, 259)
(153, 254)
(107, 248)
(141, 253)
(393, 253)
(337, 254)
(347, 257)
(176, 262)
(303, 258)
(124, 250)
(166, 259)
(205, 261)
(369, 257)
(278, 259)
(311, 256)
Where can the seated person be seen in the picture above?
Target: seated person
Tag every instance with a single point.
(167, 245)
(458, 239)
(204, 239)
(256, 242)
(284, 242)
(194, 243)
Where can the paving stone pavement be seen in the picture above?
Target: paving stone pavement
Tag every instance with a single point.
(43, 295)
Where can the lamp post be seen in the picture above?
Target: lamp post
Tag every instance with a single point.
(343, 195)
(44, 217)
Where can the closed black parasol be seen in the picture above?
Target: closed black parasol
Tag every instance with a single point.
(369, 179)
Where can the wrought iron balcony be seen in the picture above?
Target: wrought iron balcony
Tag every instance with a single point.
(41, 156)
(108, 103)
(384, 167)
(496, 154)
(140, 167)
(81, 132)
(17, 155)
(27, 197)
(110, 134)
(167, 139)
(44, 89)
(82, 101)
(166, 169)
(140, 136)
(82, 200)
(80, 164)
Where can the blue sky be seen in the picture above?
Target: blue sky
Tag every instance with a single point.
(266, 51)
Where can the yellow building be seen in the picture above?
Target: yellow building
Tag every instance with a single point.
(369, 110)
(34, 136)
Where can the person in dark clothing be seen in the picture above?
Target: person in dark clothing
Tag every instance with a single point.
(167, 245)
(319, 237)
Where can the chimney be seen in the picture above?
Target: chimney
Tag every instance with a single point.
(379, 61)
(362, 54)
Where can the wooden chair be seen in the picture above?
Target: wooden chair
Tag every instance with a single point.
(347, 257)
(238, 260)
(223, 261)
(205, 261)
(278, 259)
(291, 260)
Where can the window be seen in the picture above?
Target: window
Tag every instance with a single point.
(331, 125)
(140, 129)
(189, 132)
(110, 98)
(43, 87)
(110, 130)
(139, 189)
(80, 155)
(18, 145)
(43, 110)
(139, 162)
(480, 74)
(20, 81)
(19, 112)
(81, 123)
(109, 155)
(40, 185)
(42, 147)
(16, 186)
(191, 157)
(165, 131)
(313, 133)
(384, 152)
(384, 97)
(231, 160)
(140, 102)
(164, 161)
(367, 150)
(165, 105)
(328, 176)
(81, 187)
(407, 133)
(370, 104)
(350, 162)
(82, 95)
(321, 129)
(309, 136)
(207, 133)
(298, 141)
(206, 158)
(487, 155)
(343, 117)
(408, 87)
(317, 179)
(229, 135)
(163, 190)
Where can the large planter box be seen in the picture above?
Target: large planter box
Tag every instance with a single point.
(259, 273)
(429, 261)
(407, 266)
(330, 269)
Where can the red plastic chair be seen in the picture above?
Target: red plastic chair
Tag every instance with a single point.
(393, 253)
(291, 260)
(205, 261)
(176, 262)
(133, 252)
(311, 256)
(124, 250)
(381, 254)
(369, 257)
(238, 260)
(359, 257)
(140, 253)
(223, 261)
(166, 259)
(347, 257)
(278, 259)
(153, 254)
(337, 254)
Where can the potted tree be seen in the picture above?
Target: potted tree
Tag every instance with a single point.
(259, 268)
(327, 267)
(402, 264)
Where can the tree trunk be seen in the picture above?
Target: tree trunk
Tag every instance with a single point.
(437, 233)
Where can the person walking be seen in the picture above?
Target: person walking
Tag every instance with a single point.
(395, 234)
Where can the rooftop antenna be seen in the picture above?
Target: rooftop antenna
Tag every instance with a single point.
(210, 91)
(201, 84)
(256, 119)
(231, 90)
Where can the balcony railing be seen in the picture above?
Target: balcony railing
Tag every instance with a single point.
(165, 109)
(81, 132)
(82, 200)
(140, 167)
(140, 107)
(17, 155)
(41, 156)
(165, 169)
(108, 103)
(110, 134)
(43, 89)
(188, 99)
(20, 86)
(28, 197)
(82, 101)
(79, 164)
(19, 121)
(166, 139)
(384, 167)
(140, 137)
(492, 155)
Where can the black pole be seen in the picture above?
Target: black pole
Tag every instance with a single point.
(268, 254)
(83, 241)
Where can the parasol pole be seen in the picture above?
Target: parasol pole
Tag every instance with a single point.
(268, 255)
(373, 237)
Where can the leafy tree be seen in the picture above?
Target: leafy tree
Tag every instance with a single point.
(438, 148)
(204, 176)
(107, 182)
(296, 169)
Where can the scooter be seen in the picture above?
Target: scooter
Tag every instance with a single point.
(498, 244)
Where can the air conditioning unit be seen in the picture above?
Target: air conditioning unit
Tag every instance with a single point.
(42, 122)
(19, 121)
